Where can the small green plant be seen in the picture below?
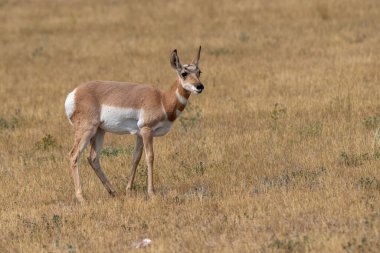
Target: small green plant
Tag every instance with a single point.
(312, 130)
(3, 123)
(37, 51)
(199, 190)
(70, 248)
(220, 51)
(362, 245)
(368, 183)
(11, 124)
(57, 220)
(354, 38)
(30, 226)
(52, 224)
(372, 122)
(199, 168)
(278, 112)
(142, 175)
(290, 244)
(48, 141)
(243, 37)
(290, 179)
(112, 152)
(355, 160)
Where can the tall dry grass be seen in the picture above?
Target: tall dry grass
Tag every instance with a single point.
(275, 156)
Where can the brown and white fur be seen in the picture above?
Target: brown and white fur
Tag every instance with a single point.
(126, 108)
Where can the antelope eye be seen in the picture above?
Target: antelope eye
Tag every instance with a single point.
(184, 74)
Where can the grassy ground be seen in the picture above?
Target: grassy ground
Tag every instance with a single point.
(276, 155)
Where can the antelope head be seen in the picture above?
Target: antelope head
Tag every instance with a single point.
(189, 74)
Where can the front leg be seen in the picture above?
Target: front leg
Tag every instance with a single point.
(135, 161)
(147, 136)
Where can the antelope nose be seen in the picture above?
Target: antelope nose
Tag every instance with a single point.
(200, 87)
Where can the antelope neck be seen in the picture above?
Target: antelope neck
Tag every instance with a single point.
(174, 100)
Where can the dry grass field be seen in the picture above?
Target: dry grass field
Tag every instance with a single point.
(276, 155)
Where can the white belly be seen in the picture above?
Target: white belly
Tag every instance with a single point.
(121, 120)
(128, 121)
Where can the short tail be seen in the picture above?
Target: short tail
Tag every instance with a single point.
(70, 105)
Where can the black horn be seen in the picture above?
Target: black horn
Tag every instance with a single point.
(197, 57)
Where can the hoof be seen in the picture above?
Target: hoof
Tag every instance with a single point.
(112, 193)
(151, 194)
(89, 161)
(129, 191)
(80, 200)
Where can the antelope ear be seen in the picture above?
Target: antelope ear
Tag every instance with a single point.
(197, 57)
(174, 61)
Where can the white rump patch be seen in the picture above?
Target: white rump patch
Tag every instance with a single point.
(70, 105)
(121, 120)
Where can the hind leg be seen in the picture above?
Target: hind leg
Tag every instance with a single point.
(82, 138)
(93, 160)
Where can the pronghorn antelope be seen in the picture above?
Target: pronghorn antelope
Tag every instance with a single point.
(126, 108)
